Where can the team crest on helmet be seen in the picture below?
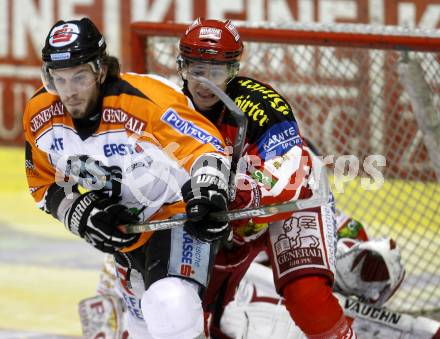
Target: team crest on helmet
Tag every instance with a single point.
(210, 33)
(63, 35)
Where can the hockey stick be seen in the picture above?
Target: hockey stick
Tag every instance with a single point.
(240, 137)
(247, 213)
(262, 211)
(240, 119)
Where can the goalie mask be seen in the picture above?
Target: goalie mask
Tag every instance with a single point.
(69, 44)
(210, 48)
(371, 270)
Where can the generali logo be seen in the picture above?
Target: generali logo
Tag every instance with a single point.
(63, 35)
(42, 117)
(118, 116)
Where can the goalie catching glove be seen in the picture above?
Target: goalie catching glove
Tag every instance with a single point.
(204, 193)
(95, 217)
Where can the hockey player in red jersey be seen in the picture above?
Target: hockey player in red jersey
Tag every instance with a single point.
(279, 168)
(105, 148)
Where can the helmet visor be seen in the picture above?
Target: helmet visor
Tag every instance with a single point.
(218, 73)
(70, 80)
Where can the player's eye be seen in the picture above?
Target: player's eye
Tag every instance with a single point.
(218, 73)
(197, 72)
(59, 81)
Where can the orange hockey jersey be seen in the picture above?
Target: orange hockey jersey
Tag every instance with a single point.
(147, 137)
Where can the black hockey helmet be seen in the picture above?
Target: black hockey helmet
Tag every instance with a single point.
(72, 43)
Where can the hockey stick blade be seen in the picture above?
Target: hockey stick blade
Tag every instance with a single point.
(262, 211)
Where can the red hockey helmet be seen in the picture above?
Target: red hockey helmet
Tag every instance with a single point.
(211, 41)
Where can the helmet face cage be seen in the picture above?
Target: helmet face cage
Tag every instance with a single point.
(212, 42)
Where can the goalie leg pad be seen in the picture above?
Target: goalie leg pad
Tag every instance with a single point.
(102, 317)
(314, 309)
(172, 309)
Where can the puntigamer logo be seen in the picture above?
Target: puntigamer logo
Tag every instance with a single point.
(189, 128)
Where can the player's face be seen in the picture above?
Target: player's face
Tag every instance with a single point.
(219, 74)
(78, 89)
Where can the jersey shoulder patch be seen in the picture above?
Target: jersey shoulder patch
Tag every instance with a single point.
(263, 105)
(189, 128)
(42, 110)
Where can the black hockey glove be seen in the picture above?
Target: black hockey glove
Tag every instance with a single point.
(95, 217)
(203, 194)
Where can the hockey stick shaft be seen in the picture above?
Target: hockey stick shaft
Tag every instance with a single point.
(239, 117)
(262, 211)
(322, 197)
(406, 323)
(240, 136)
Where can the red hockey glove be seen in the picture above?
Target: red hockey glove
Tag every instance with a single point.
(247, 195)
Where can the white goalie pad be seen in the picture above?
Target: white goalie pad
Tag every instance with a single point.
(371, 270)
(380, 322)
(102, 317)
(258, 312)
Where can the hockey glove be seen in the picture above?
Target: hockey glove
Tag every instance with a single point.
(247, 195)
(203, 194)
(95, 218)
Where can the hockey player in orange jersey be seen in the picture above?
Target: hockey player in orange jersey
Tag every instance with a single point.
(104, 148)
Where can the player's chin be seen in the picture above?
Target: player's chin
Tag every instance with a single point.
(206, 99)
(75, 113)
(78, 111)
